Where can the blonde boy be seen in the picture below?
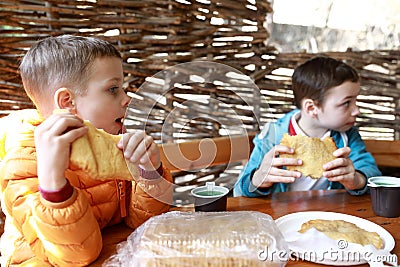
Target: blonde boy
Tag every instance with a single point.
(54, 215)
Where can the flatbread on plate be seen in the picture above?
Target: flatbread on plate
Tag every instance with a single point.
(343, 230)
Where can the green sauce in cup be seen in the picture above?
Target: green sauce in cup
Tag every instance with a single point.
(209, 193)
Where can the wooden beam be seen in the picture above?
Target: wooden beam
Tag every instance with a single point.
(198, 154)
(386, 153)
(202, 153)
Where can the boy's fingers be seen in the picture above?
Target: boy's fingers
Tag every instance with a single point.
(286, 162)
(283, 149)
(342, 152)
(75, 133)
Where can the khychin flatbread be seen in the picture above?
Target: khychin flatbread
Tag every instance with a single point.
(96, 153)
(343, 230)
(314, 153)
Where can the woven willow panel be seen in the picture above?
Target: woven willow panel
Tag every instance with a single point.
(237, 105)
(151, 34)
(156, 35)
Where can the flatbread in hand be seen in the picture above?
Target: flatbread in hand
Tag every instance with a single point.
(96, 153)
(314, 153)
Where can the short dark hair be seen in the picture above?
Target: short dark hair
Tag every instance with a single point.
(316, 76)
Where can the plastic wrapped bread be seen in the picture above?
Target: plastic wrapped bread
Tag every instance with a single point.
(179, 239)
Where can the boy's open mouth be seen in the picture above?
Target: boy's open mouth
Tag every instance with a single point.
(121, 122)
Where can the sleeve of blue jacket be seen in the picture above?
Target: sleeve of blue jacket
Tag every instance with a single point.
(244, 186)
(263, 143)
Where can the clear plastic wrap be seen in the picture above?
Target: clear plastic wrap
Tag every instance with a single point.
(237, 238)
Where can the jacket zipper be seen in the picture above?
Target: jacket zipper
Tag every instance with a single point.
(122, 197)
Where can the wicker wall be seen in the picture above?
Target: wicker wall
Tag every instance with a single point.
(151, 34)
(155, 35)
(237, 104)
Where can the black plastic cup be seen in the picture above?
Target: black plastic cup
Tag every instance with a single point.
(385, 196)
(205, 200)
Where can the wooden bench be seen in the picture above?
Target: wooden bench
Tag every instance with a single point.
(207, 152)
(198, 154)
(386, 153)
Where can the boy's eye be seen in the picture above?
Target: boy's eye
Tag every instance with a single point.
(113, 90)
(346, 104)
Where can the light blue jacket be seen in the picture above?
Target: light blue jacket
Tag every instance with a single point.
(268, 138)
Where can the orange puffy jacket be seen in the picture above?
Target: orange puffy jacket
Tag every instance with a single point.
(41, 233)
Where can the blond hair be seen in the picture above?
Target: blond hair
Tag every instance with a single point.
(62, 61)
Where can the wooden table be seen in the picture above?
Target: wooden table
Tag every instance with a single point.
(280, 204)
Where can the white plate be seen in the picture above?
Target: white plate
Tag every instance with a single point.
(291, 223)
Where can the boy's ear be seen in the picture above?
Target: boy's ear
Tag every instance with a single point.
(64, 99)
(310, 108)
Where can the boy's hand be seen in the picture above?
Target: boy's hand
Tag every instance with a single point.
(342, 170)
(270, 170)
(53, 138)
(140, 149)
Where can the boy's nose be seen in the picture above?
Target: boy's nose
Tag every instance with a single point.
(126, 99)
(356, 111)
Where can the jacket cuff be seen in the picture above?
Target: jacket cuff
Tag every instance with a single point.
(360, 191)
(152, 174)
(58, 196)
